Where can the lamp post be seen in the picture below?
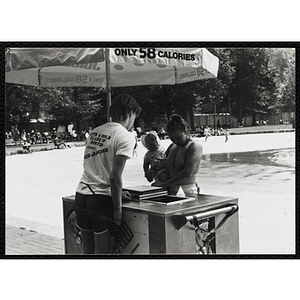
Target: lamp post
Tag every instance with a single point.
(108, 89)
(229, 109)
(215, 115)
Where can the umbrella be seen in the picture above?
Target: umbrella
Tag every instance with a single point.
(109, 67)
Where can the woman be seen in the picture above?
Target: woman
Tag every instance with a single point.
(183, 159)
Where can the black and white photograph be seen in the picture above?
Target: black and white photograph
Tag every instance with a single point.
(150, 150)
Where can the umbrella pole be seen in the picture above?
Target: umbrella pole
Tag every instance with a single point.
(108, 90)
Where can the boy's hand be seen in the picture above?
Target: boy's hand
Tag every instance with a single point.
(118, 216)
(126, 195)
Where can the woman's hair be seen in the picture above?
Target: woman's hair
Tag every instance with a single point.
(177, 123)
(122, 105)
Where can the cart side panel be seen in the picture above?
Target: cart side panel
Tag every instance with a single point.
(71, 246)
(157, 235)
(180, 241)
(138, 225)
(227, 236)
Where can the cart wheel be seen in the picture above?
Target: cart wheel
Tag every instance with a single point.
(78, 239)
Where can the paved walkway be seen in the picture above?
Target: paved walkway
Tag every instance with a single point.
(20, 241)
(11, 148)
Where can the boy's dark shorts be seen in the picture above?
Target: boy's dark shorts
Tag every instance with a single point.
(94, 212)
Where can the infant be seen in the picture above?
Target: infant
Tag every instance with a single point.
(154, 159)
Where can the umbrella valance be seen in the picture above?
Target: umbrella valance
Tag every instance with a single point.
(28, 58)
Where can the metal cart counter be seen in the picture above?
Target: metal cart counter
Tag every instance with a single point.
(181, 226)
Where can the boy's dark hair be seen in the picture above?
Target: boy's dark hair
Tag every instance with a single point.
(176, 123)
(122, 105)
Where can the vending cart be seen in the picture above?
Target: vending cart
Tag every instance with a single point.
(169, 225)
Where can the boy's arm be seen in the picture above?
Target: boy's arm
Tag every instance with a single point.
(116, 185)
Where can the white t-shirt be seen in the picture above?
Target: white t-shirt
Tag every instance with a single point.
(103, 144)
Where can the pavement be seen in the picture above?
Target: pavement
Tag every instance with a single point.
(25, 241)
(12, 149)
(21, 241)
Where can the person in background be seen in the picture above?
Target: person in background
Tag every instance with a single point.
(139, 131)
(162, 133)
(23, 136)
(206, 132)
(32, 137)
(183, 159)
(86, 136)
(155, 158)
(226, 135)
(15, 134)
(98, 199)
(59, 143)
(135, 149)
(38, 137)
(26, 147)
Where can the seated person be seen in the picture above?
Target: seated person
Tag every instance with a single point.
(26, 146)
(59, 143)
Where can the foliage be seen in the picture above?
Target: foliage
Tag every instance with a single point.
(62, 105)
(22, 104)
(253, 85)
(210, 92)
(283, 62)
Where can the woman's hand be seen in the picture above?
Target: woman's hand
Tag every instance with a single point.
(158, 183)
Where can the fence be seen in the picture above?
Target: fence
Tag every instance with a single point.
(260, 118)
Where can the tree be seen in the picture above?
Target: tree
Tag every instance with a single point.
(283, 63)
(212, 94)
(156, 101)
(253, 85)
(22, 104)
(62, 105)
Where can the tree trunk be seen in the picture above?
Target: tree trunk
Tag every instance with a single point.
(168, 108)
(240, 117)
(215, 115)
(229, 110)
(75, 95)
(253, 119)
(191, 112)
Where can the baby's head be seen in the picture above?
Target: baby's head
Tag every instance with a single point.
(150, 141)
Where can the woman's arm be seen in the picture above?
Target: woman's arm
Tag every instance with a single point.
(170, 165)
(193, 158)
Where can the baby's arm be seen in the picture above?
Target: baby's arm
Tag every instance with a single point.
(148, 172)
(146, 166)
